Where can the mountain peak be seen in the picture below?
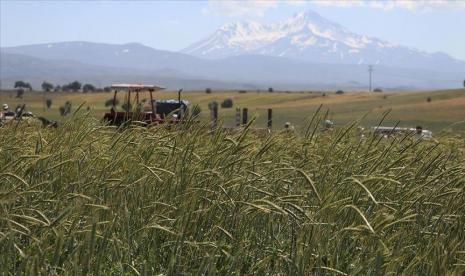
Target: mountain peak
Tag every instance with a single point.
(304, 30)
(307, 15)
(240, 24)
(307, 36)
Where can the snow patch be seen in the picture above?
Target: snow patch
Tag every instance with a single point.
(304, 34)
(304, 41)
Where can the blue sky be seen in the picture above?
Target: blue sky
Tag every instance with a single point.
(435, 25)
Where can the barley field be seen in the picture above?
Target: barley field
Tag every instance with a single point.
(445, 110)
(86, 198)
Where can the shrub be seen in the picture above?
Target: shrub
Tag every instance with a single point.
(110, 102)
(65, 109)
(126, 107)
(242, 91)
(428, 99)
(271, 90)
(208, 91)
(339, 92)
(61, 109)
(48, 102)
(20, 93)
(227, 103)
(378, 90)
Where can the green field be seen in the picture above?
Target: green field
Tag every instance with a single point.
(446, 109)
(90, 199)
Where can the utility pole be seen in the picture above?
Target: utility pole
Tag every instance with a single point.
(370, 71)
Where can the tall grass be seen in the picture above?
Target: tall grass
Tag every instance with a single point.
(86, 198)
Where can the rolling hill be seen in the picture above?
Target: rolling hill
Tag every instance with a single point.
(35, 70)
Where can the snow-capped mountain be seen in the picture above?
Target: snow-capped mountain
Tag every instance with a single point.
(309, 37)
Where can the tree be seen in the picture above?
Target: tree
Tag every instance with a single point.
(271, 90)
(57, 88)
(20, 84)
(88, 88)
(107, 89)
(463, 83)
(74, 86)
(208, 90)
(48, 102)
(46, 86)
(23, 85)
(227, 103)
(339, 92)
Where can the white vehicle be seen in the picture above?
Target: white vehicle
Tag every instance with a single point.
(417, 132)
(6, 114)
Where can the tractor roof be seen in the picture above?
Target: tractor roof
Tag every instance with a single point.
(125, 86)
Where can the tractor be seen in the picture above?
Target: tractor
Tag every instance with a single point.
(153, 112)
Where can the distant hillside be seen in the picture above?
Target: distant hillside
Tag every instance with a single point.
(131, 55)
(15, 67)
(105, 63)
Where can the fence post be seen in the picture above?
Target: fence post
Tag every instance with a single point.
(238, 116)
(244, 115)
(213, 114)
(270, 118)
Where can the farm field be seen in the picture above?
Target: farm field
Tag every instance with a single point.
(446, 110)
(235, 137)
(89, 199)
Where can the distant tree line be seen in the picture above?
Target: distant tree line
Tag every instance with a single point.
(46, 86)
